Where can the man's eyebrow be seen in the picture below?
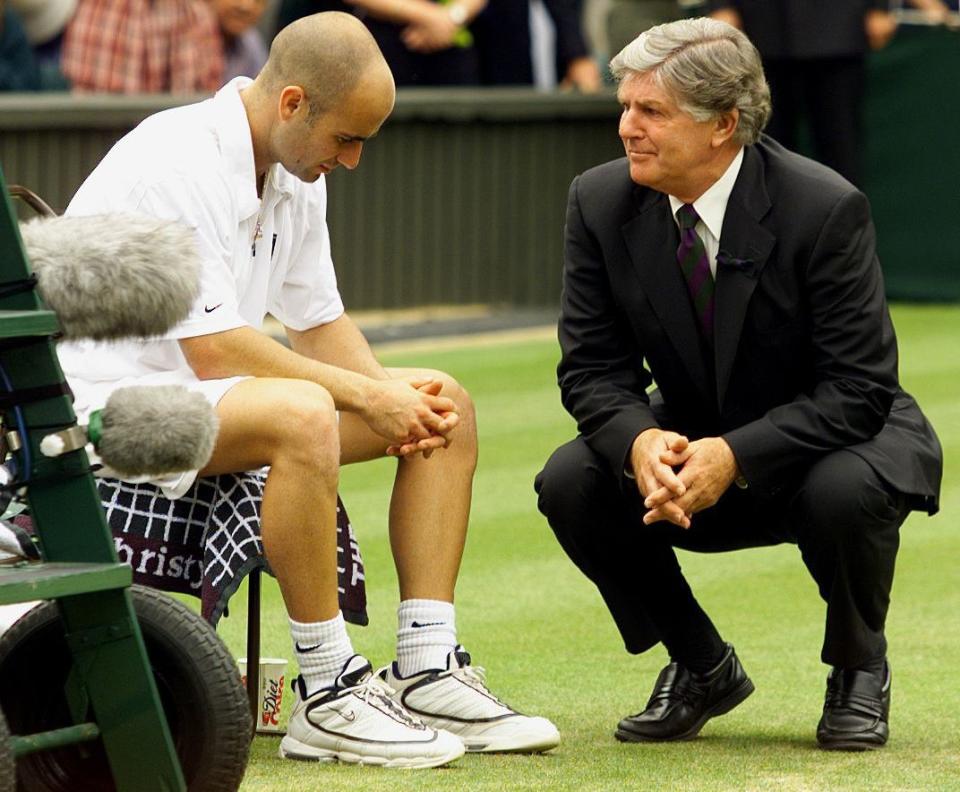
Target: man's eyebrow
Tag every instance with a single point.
(655, 104)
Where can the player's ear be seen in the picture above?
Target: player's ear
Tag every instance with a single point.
(293, 99)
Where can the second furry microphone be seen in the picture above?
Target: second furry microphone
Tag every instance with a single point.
(153, 430)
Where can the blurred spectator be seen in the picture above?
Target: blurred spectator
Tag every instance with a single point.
(937, 12)
(425, 42)
(622, 21)
(44, 22)
(291, 10)
(814, 55)
(503, 40)
(244, 51)
(143, 46)
(18, 70)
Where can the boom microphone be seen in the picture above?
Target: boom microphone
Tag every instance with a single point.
(115, 275)
(152, 430)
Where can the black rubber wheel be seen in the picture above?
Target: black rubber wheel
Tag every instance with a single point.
(8, 777)
(199, 685)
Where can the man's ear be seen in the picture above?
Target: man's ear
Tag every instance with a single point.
(293, 99)
(725, 126)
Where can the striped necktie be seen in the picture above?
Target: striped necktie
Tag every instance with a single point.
(695, 264)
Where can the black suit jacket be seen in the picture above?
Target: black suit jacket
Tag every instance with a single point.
(804, 358)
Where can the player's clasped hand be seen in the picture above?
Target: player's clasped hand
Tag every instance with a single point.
(412, 414)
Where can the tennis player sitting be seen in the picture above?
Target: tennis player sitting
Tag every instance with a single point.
(246, 170)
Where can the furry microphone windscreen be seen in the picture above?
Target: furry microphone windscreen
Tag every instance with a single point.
(151, 430)
(112, 276)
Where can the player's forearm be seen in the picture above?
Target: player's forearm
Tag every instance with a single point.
(339, 343)
(248, 352)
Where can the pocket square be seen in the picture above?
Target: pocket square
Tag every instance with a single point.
(747, 266)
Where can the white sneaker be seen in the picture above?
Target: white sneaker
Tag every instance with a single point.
(457, 699)
(357, 721)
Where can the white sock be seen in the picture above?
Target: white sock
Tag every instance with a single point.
(321, 649)
(426, 634)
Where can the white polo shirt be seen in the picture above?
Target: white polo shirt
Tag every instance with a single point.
(195, 165)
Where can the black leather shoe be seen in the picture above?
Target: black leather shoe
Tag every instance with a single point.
(683, 701)
(856, 710)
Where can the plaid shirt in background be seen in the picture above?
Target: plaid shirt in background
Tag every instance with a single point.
(143, 46)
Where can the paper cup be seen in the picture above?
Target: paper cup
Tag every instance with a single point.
(273, 672)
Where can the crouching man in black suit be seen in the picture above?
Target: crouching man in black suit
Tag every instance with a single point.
(743, 280)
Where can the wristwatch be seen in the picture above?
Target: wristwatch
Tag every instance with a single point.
(458, 13)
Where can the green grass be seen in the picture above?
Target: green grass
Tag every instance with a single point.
(550, 647)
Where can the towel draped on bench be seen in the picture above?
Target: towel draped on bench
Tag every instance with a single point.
(207, 541)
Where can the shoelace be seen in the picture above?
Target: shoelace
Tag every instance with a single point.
(476, 677)
(376, 693)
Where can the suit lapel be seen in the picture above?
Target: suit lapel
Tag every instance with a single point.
(745, 246)
(652, 241)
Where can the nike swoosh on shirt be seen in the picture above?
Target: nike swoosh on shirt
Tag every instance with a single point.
(208, 309)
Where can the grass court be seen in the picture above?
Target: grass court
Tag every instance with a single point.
(539, 627)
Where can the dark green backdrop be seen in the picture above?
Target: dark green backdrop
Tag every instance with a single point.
(913, 162)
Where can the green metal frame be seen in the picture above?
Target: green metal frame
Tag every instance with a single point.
(111, 674)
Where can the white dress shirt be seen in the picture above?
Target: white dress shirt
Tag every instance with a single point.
(711, 207)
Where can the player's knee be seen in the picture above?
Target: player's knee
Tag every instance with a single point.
(307, 426)
(452, 389)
